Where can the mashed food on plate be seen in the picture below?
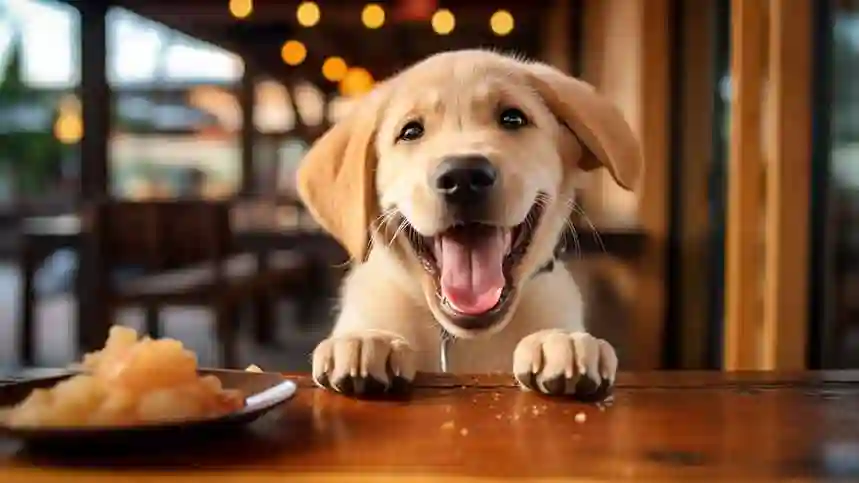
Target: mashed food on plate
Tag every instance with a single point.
(130, 381)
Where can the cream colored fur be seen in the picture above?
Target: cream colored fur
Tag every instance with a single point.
(390, 323)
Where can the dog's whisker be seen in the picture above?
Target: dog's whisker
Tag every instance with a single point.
(542, 200)
(576, 244)
(385, 218)
(570, 227)
(529, 222)
(595, 232)
(379, 225)
(400, 228)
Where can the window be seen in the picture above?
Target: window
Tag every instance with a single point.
(143, 52)
(176, 115)
(40, 118)
(47, 33)
(838, 290)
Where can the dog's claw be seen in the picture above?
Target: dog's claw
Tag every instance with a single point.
(558, 363)
(363, 365)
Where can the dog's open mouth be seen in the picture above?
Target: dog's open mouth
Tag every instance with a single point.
(472, 264)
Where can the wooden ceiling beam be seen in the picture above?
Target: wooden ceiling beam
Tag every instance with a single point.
(337, 14)
(383, 52)
(380, 52)
(267, 60)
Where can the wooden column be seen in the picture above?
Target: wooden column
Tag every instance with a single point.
(785, 309)
(575, 35)
(654, 130)
(93, 320)
(744, 257)
(95, 101)
(247, 103)
(768, 179)
(627, 56)
(556, 46)
(696, 83)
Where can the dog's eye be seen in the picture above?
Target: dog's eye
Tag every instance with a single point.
(413, 130)
(512, 119)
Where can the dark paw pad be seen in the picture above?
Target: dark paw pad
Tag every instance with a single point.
(557, 386)
(368, 387)
(584, 388)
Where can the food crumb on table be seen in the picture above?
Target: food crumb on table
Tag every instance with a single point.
(448, 425)
(463, 431)
(581, 417)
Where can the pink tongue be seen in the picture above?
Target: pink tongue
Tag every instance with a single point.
(471, 269)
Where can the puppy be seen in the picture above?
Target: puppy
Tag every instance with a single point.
(450, 185)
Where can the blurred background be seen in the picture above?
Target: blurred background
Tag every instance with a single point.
(148, 151)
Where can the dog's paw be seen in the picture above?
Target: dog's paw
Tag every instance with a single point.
(364, 364)
(560, 363)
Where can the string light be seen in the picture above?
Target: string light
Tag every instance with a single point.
(373, 16)
(443, 22)
(293, 52)
(357, 81)
(308, 14)
(334, 69)
(241, 8)
(69, 127)
(501, 22)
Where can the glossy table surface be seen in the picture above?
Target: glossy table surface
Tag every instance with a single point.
(681, 426)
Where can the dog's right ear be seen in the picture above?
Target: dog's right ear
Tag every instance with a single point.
(595, 121)
(336, 179)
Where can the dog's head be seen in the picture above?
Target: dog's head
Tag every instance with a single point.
(465, 165)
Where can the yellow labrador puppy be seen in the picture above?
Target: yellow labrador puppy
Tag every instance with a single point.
(451, 185)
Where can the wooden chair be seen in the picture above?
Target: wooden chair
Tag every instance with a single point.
(188, 257)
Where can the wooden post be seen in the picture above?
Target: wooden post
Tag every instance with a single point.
(247, 102)
(768, 227)
(627, 56)
(95, 102)
(556, 48)
(785, 307)
(654, 131)
(696, 83)
(744, 256)
(92, 317)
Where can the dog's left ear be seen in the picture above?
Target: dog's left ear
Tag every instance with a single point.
(596, 122)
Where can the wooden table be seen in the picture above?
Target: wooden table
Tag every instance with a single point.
(42, 236)
(661, 427)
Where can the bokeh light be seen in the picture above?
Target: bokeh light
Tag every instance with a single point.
(373, 16)
(334, 69)
(293, 52)
(241, 8)
(501, 22)
(308, 14)
(356, 82)
(443, 21)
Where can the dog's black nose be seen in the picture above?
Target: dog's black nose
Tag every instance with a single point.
(464, 179)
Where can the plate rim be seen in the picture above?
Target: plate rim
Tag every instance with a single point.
(240, 417)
